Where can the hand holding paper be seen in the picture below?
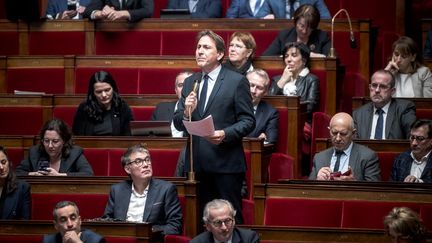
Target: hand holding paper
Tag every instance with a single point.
(202, 128)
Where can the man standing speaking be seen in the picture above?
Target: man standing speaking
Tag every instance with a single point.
(219, 159)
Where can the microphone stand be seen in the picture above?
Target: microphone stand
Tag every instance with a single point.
(332, 53)
(191, 173)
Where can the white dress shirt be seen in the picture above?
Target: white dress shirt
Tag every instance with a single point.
(137, 203)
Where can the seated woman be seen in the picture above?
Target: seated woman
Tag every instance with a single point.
(404, 225)
(241, 52)
(305, 30)
(55, 155)
(104, 112)
(413, 79)
(15, 200)
(296, 79)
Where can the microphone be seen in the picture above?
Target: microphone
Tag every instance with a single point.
(353, 44)
(196, 85)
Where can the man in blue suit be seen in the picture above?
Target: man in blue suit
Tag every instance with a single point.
(59, 9)
(220, 163)
(415, 164)
(279, 9)
(246, 9)
(267, 117)
(143, 198)
(198, 8)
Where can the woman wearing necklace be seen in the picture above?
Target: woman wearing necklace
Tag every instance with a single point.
(241, 52)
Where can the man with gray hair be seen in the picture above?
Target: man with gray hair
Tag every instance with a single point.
(67, 222)
(219, 219)
(346, 160)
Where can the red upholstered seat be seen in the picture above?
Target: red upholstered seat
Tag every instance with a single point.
(249, 182)
(186, 38)
(65, 113)
(98, 159)
(176, 239)
(248, 213)
(9, 43)
(15, 155)
(22, 238)
(142, 113)
(280, 167)
(158, 5)
(282, 143)
(15, 120)
(126, 79)
(263, 40)
(386, 160)
(302, 212)
(424, 113)
(90, 205)
(157, 80)
(60, 43)
(370, 214)
(128, 42)
(111, 239)
(320, 124)
(426, 215)
(48, 80)
(114, 165)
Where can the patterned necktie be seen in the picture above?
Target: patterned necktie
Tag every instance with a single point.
(380, 124)
(257, 7)
(203, 95)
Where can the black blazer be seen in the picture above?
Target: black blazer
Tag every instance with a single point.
(230, 105)
(164, 111)
(402, 168)
(138, 9)
(84, 126)
(267, 121)
(17, 204)
(239, 236)
(319, 42)
(87, 236)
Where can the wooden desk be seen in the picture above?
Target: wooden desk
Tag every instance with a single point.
(141, 232)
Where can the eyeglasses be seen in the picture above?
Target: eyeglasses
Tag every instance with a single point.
(54, 142)
(140, 162)
(418, 138)
(374, 86)
(218, 223)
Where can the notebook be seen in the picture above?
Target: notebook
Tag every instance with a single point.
(150, 128)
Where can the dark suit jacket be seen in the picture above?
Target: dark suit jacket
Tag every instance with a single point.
(162, 207)
(59, 6)
(204, 8)
(239, 236)
(84, 126)
(319, 42)
(267, 121)
(17, 204)
(278, 8)
(164, 111)
(402, 168)
(74, 165)
(241, 9)
(363, 161)
(427, 51)
(138, 9)
(230, 105)
(87, 236)
(401, 114)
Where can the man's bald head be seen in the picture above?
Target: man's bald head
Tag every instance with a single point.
(342, 130)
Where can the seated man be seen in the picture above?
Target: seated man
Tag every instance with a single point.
(267, 117)
(66, 9)
(132, 10)
(384, 117)
(198, 8)
(284, 9)
(143, 198)
(165, 110)
(220, 224)
(67, 222)
(346, 160)
(246, 9)
(415, 164)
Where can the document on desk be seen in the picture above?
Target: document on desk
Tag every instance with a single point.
(202, 128)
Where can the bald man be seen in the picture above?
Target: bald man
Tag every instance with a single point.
(346, 160)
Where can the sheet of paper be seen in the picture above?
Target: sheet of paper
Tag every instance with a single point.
(202, 128)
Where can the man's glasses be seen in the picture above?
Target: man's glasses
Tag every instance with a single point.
(418, 138)
(218, 223)
(140, 162)
(374, 86)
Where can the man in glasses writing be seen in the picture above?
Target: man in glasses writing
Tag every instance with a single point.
(143, 198)
(415, 164)
(384, 117)
(219, 219)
